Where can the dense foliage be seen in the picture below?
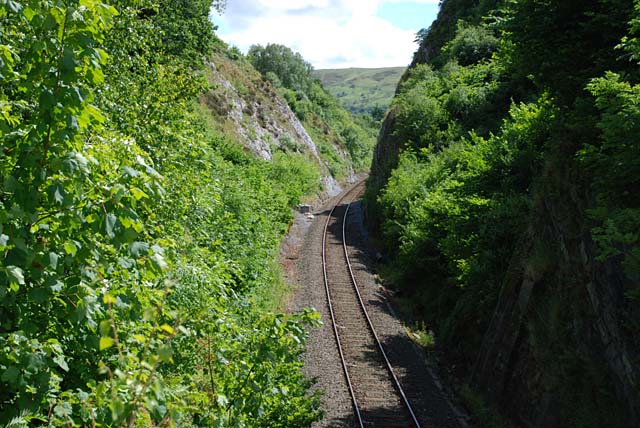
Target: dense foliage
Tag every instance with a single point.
(452, 13)
(290, 68)
(138, 249)
(511, 130)
(330, 125)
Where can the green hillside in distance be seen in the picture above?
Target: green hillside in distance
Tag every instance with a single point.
(361, 90)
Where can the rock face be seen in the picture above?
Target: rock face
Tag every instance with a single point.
(385, 155)
(559, 312)
(247, 106)
(385, 159)
(261, 125)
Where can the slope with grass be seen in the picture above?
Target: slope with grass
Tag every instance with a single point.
(361, 90)
(345, 141)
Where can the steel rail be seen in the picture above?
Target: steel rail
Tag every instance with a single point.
(373, 330)
(354, 401)
(364, 311)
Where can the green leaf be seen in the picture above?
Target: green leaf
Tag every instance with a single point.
(104, 327)
(16, 275)
(68, 62)
(117, 408)
(59, 360)
(108, 298)
(70, 248)
(54, 285)
(10, 183)
(167, 328)
(106, 343)
(138, 194)
(222, 400)
(138, 249)
(58, 193)
(39, 295)
(126, 262)
(58, 15)
(77, 95)
(11, 375)
(110, 223)
(13, 6)
(140, 338)
(130, 171)
(29, 13)
(36, 362)
(165, 353)
(138, 226)
(72, 123)
(63, 410)
(53, 260)
(159, 262)
(47, 100)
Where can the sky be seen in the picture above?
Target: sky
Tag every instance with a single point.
(330, 33)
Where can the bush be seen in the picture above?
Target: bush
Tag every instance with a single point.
(134, 256)
(452, 214)
(615, 164)
(471, 44)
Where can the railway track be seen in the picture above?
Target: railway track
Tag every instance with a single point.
(377, 397)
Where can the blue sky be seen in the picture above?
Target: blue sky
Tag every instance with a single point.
(330, 33)
(408, 15)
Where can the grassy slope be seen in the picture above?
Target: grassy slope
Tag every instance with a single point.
(263, 120)
(361, 89)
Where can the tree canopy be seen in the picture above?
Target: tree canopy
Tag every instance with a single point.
(289, 66)
(137, 249)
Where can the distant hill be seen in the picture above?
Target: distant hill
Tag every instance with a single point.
(361, 90)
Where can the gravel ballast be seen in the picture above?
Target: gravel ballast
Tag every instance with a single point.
(302, 259)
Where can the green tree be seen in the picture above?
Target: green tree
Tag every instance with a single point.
(471, 44)
(133, 255)
(563, 44)
(289, 66)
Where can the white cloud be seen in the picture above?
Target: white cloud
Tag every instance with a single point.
(412, 1)
(328, 33)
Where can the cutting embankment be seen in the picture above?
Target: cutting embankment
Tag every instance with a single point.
(144, 195)
(503, 192)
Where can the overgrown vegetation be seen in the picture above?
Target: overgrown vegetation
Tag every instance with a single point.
(247, 109)
(137, 245)
(511, 131)
(330, 126)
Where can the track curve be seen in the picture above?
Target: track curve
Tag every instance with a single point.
(377, 396)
